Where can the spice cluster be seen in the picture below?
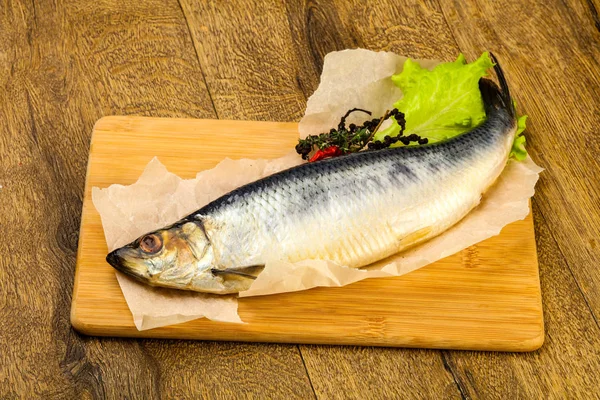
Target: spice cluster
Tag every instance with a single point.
(353, 138)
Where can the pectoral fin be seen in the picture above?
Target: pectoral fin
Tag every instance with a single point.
(249, 272)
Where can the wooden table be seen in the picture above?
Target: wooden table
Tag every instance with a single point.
(63, 66)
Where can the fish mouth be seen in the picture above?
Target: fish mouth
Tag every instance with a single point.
(118, 262)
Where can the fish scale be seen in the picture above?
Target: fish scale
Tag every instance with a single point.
(318, 209)
(353, 210)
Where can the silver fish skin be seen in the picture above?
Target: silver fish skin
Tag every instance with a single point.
(352, 210)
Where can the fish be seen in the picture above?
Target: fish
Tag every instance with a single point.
(353, 210)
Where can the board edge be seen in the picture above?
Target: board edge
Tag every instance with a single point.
(90, 329)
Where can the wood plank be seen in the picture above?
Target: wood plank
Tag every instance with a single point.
(64, 66)
(317, 28)
(502, 314)
(379, 373)
(41, 55)
(247, 56)
(550, 54)
(567, 366)
(549, 51)
(322, 22)
(413, 29)
(408, 28)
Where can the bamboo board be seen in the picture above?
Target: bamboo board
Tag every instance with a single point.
(486, 297)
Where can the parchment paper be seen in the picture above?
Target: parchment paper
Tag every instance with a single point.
(351, 78)
(157, 199)
(355, 78)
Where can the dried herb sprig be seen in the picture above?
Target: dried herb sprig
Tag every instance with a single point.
(353, 138)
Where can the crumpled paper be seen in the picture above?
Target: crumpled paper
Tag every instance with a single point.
(351, 78)
(355, 78)
(170, 307)
(507, 201)
(157, 199)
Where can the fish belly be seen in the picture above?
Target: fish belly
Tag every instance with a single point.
(358, 209)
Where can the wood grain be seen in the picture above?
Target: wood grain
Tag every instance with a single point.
(64, 65)
(556, 370)
(450, 304)
(318, 27)
(415, 29)
(550, 81)
(379, 373)
(551, 55)
(248, 59)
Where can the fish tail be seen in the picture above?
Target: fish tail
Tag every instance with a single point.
(495, 97)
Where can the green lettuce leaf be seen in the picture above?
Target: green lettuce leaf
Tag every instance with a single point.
(518, 151)
(441, 103)
(444, 102)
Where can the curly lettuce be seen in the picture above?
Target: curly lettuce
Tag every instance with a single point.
(518, 151)
(445, 101)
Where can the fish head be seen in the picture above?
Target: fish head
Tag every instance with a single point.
(170, 257)
(181, 257)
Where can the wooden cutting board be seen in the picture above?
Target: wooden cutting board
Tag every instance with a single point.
(486, 297)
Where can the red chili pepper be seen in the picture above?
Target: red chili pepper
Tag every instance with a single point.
(331, 151)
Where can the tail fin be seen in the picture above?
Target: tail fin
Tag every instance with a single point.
(494, 97)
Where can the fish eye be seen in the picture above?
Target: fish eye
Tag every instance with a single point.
(150, 243)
